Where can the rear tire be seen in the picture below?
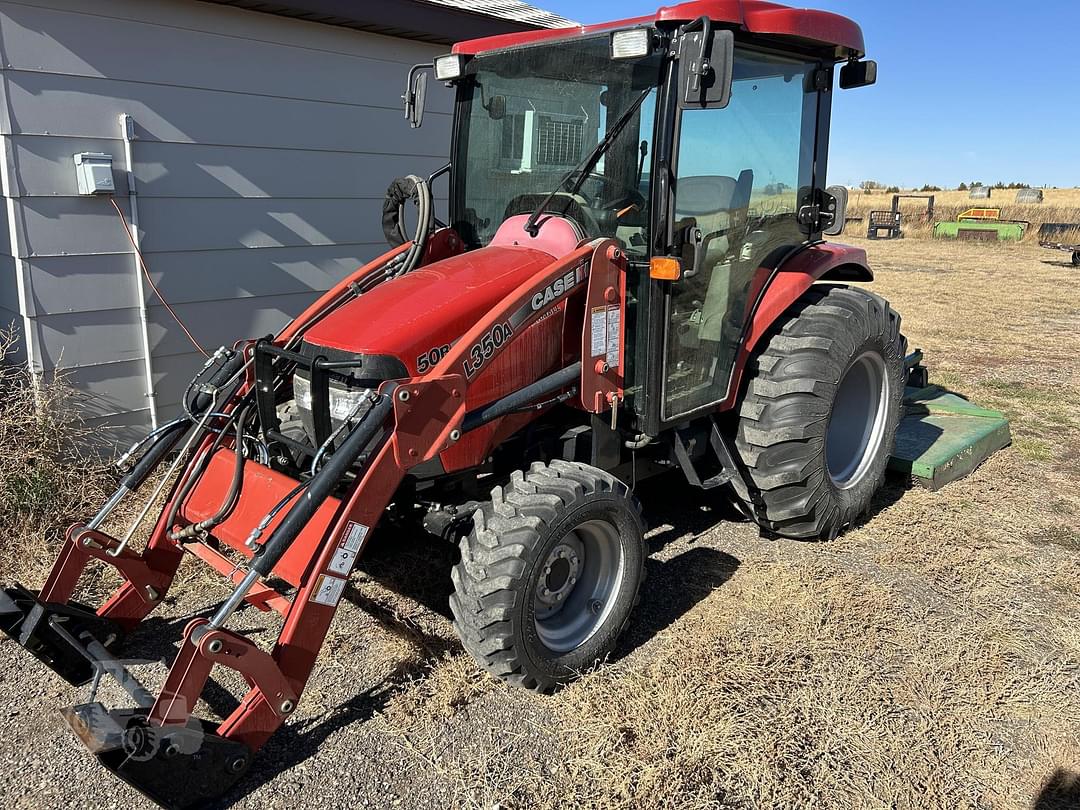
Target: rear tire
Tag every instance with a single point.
(549, 574)
(819, 415)
(1076, 258)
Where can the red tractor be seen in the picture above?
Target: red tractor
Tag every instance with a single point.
(629, 284)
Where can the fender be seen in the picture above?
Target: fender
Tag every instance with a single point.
(824, 261)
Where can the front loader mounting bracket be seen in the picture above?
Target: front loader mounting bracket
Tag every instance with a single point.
(30, 622)
(176, 766)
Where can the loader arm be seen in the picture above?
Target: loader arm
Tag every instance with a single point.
(185, 761)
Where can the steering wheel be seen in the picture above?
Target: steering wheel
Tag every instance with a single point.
(619, 192)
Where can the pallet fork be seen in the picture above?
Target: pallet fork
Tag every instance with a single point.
(158, 746)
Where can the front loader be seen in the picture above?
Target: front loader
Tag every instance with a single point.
(633, 280)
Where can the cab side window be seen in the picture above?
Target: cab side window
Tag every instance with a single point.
(738, 178)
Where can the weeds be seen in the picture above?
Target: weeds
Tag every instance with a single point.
(49, 476)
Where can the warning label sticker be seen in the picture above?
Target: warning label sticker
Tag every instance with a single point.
(342, 561)
(604, 328)
(351, 543)
(354, 536)
(328, 590)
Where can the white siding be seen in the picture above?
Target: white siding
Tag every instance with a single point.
(264, 148)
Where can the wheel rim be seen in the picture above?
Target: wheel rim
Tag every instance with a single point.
(857, 425)
(578, 586)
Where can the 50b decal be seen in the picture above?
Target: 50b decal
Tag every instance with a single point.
(484, 348)
(431, 357)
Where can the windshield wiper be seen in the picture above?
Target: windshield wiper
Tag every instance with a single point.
(586, 166)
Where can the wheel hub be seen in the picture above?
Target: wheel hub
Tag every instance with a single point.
(857, 425)
(577, 585)
(560, 573)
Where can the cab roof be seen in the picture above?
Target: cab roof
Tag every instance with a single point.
(820, 28)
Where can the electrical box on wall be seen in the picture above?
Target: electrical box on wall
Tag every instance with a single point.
(94, 173)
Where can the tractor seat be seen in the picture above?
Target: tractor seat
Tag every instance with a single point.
(719, 205)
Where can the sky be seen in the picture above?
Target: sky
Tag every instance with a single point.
(967, 90)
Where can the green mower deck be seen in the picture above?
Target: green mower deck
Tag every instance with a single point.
(990, 231)
(944, 437)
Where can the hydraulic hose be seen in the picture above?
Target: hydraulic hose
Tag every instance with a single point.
(234, 486)
(525, 396)
(394, 218)
(194, 478)
(320, 487)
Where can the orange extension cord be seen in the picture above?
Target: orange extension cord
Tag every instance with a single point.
(146, 273)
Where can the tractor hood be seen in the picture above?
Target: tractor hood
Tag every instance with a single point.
(420, 313)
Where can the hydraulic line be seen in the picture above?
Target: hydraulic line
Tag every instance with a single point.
(344, 424)
(524, 397)
(317, 491)
(233, 494)
(193, 480)
(224, 378)
(394, 217)
(252, 541)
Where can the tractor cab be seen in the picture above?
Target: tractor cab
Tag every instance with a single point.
(697, 139)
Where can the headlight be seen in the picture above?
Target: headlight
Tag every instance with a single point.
(343, 401)
(632, 43)
(449, 67)
(302, 392)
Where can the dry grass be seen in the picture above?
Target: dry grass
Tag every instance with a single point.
(48, 476)
(1059, 205)
(930, 658)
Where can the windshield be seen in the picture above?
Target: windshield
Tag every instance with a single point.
(529, 116)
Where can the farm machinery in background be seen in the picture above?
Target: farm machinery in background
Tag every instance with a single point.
(982, 225)
(617, 294)
(1061, 236)
(891, 221)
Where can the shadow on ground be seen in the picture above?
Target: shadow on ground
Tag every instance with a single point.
(412, 564)
(1061, 792)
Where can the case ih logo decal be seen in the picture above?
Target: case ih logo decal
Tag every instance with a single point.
(558, 288)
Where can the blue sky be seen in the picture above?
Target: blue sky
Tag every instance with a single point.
(966, 90)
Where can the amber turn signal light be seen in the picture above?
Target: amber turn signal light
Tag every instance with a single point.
(664, 268)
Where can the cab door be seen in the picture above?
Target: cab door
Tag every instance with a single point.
(736, 193)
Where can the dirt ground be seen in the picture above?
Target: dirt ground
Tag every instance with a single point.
(928, 658)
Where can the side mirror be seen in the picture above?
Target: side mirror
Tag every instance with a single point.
(496, 108)
(415, 95)
(836, 199)
(706, 65)
(858, 74)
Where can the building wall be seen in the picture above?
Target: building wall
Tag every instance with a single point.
(264, 146)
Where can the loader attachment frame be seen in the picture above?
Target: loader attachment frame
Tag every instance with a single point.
(159, 746)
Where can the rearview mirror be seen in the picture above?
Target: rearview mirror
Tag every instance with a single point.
(415, 95)
(858, 74)
(496, 108)
(706, 64)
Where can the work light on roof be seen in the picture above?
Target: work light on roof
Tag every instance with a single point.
(449, 67)
(633, 43)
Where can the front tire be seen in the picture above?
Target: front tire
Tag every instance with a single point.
(818, 419)
(549, 574)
